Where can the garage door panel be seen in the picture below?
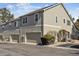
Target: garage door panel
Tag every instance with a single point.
(15, 38)
(1, 38)
(33, 37)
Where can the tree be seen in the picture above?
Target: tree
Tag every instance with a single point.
(77, 23)
(5, 15)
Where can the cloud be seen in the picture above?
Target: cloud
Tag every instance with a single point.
(21, 8)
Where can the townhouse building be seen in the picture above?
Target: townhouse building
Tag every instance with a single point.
(32, 26)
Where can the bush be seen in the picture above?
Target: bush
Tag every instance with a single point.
(48, 38)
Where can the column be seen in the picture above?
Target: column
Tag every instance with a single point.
(10, 39)
(56, 38)
(25, 38)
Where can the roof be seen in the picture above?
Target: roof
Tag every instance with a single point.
(46, 8)
(39, 10)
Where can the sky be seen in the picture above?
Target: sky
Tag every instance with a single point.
(19, 9)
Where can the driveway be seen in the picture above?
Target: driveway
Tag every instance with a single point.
(32, 50)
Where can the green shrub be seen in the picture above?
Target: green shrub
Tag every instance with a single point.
(49, 37)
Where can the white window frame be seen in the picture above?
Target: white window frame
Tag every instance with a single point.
(3, 26)
(64, 20)
(34, 17)
(69, 23)
(25, 18)
(17, 23)
(10, 24)
(56, 19)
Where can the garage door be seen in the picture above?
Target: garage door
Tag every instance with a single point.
(1, 38)
(15, 37)
(34, 37)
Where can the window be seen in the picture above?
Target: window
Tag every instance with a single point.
(36, 17)
(64, 20)
(24, 20)
(56, 19)
(68, 34)
(68, 22)
(14, 23)
(2, 26)
(9, 24)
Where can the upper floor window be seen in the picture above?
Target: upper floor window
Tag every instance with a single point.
(56, 19)
(24, 20)
(68, 34)
(64, 20)
(3, 27)
(68, 22)
(9, 23)
(16, 23)
(36, 17)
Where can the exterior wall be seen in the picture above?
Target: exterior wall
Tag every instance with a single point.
(46, 23)
(50, 19)
(22, 29)
(75, 33)
(30, 22)
(31, 25)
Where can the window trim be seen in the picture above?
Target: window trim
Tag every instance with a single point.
(35, 15)
(10, 24)
(64, 20)
(68, 35)
(56, 19)
(25, 18)
(69, 22)
(3, 26)
(17, 23)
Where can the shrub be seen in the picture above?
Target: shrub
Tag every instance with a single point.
(49, 38)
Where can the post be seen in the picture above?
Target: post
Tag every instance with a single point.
(25, 38)
(19, 35)
(56, 38)
(10, 39)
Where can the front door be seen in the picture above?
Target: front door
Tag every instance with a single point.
(62, 36)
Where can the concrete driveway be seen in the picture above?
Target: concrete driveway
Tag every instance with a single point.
(32, 50)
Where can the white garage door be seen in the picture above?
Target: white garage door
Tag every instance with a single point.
(34, 37)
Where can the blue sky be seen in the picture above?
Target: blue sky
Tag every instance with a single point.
(19, 9)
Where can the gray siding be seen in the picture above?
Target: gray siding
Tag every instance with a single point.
(22, 29)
